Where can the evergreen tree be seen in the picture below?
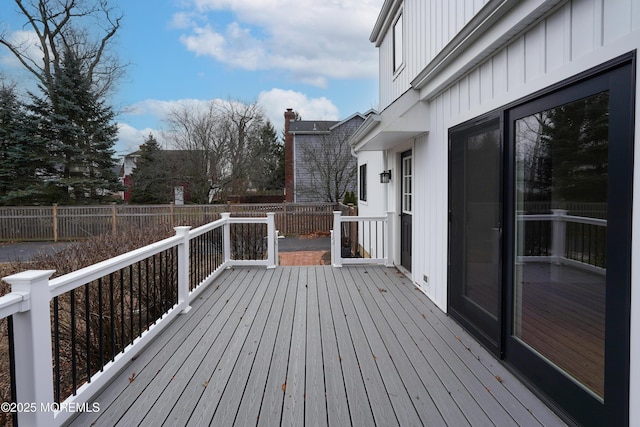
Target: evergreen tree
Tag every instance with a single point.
(268, 171)
(151, 178)
(21, 154)
(577, 138)
(78, 128)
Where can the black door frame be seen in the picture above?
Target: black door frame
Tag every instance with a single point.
(566, 396)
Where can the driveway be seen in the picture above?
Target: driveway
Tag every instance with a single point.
(24, 251)
(304, 244)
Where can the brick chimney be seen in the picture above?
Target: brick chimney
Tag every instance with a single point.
(289, 116)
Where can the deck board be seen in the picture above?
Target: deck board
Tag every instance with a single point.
(336, 394)
(316, 346)
(315, 405)
(272, 401)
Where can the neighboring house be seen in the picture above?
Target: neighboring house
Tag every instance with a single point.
(180, 163)
(129, 163)
(508, 127)
(319, 165)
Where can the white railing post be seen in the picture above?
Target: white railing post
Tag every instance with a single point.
(388, 239)
(183, 267)
(32, 344)
(226, 237)
(558, 235)
(337, 239)
(271, 240)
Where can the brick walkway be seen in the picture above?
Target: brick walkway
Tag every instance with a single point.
(305, 258)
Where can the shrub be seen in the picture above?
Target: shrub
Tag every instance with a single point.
(74, 256)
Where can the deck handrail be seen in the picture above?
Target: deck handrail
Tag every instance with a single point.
(29, 305)
(371, 237)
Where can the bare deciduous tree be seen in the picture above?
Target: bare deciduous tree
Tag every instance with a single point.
(84, 27)
(329, 169)
(221, 136)
(195, 130)
(242, 123)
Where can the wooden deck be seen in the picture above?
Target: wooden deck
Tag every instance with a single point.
(316, 346)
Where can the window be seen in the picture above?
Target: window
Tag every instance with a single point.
(363, 182)
(407, 183)
(398, 57)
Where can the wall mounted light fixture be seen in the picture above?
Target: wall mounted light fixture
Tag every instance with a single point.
(385, 177)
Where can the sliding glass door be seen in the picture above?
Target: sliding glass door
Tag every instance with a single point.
(540, 208)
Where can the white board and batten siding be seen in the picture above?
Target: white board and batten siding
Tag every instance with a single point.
(445, 17)
(561, 45)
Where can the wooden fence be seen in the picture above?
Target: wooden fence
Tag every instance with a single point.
(56, 223)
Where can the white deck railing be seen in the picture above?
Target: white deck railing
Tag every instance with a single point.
(361, 240)
(567, 248)
(30, 305)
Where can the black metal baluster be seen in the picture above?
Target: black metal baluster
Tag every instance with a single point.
(174, 274)
(56, 347)
(112, 322)
(131, 332)
(100, 325)
(72, 307)
(122, 326)
(146, 271)
(155, 287)
(87, 312)
(196, 260)
(209, 261)
(163, 290)
(168, 275)
(139, 265)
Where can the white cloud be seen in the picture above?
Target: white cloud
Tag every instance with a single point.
(275, 101)
(314, 40)
(160, 109)
(130, 138)
(27, 43)
(181, 20)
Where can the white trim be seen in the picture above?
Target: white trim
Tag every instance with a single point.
(397, 68)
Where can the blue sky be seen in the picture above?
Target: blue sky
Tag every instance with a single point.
(310, 55)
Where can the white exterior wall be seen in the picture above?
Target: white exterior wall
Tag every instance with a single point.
(375, 203)
(578, 35)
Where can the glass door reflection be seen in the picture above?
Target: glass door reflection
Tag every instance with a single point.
(560, 237)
